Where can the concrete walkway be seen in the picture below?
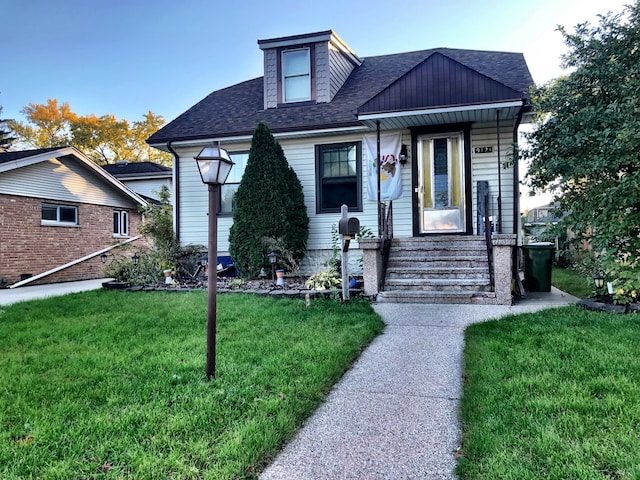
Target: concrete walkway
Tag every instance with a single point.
(394, 415)
(19, 294)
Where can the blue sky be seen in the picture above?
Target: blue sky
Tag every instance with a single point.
(125, 57)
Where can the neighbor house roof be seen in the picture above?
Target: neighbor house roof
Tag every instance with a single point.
(124, 169)
(236, 110)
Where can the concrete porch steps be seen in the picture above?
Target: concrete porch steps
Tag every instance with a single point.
(439, 269)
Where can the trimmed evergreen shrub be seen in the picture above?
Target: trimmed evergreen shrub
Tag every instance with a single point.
(269, 204)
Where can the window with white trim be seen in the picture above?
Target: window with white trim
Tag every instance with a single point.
(230, 187)
(64, 215)
(296, 75)
(120, 223)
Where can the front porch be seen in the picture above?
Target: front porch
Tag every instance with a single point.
(440, 269)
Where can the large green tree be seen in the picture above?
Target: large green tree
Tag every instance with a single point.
(6, 140)
(104, 139)
(586, 147)
(269, 210)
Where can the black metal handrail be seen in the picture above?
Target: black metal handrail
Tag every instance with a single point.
(386, 235)
(487, 237)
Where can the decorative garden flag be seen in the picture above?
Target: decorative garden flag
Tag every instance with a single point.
(390, 181)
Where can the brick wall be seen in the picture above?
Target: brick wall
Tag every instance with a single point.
(29, 248)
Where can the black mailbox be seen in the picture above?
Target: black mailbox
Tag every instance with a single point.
(349, 226)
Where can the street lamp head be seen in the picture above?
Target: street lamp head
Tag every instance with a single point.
(272, 257)
(214, 164)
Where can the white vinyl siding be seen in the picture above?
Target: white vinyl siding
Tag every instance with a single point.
(64, 181)
(484, 166)
(300, 154)
(148, 187)
(340, 68)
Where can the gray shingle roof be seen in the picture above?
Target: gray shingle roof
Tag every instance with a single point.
(135, 168)
(11, 156)
(236, 110)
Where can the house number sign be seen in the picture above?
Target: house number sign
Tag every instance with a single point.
(483, 150)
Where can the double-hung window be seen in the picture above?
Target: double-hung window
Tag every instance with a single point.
(120, 223)
(339, 179)
(230, 187)
(64, 215)
(296, 75)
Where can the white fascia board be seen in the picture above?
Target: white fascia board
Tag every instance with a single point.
(434, 111)
(283, 135)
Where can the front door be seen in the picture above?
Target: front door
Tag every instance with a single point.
(440, 183)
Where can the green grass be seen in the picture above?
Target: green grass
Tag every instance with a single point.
(572, 282)
(110, 384)
(554, 395)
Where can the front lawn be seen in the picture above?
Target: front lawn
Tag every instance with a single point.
(109, 384)
(554, 395)
(573, 282)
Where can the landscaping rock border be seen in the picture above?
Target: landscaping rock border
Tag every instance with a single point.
(602, 305)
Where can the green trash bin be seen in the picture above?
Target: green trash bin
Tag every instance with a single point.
(538, 262)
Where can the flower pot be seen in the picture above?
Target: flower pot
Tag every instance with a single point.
(167, 277)
(280, 278)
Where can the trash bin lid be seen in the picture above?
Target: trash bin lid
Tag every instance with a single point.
(538, 245)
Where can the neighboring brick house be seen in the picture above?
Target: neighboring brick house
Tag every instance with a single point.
(58, 212)
(447, 120)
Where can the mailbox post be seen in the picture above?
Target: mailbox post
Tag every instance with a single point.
(348, 229)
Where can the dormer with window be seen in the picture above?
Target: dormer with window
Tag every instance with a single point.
(305, 68)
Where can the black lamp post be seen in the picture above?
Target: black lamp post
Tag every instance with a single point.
(272, 260)
(214, 165)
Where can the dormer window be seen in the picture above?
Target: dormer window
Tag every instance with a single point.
(296, 75)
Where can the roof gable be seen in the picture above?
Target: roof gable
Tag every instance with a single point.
(439, 81)
(66, 160)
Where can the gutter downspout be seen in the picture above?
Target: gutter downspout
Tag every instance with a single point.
(516, 193)
(176, 190)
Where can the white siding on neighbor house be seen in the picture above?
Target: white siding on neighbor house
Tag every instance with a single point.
(340, 68)
(63, 180)
(270, 78)
(148, 187)
(485, 167)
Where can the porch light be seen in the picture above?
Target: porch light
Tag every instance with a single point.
(103, 258)
(404, 155)
(135, 258)
(598, 281)
(214, 165)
